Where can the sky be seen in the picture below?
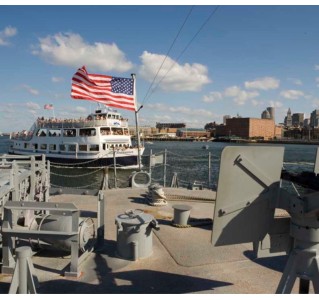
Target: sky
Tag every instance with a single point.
(193, 63)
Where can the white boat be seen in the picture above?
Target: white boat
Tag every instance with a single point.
(98, 140)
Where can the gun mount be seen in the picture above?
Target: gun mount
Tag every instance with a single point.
(248, 195)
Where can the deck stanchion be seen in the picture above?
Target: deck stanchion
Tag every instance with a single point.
(209, 169)
(164, 169)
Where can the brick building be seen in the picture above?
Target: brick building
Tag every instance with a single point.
(248, 128)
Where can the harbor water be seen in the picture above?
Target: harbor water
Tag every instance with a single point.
(190, 161)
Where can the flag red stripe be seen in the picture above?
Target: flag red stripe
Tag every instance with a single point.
(81, 92)
(99, 94)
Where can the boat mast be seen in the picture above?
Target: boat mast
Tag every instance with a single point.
(137, 127)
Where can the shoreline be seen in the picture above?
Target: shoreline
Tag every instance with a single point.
(239, 141)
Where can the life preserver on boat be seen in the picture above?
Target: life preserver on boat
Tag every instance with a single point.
(142, 174)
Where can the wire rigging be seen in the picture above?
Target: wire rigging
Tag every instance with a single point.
(184, 50)
(169, 50)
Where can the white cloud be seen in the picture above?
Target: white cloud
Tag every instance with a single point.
(295, 81)
(316, 67)
(292, 94)
(317, 81)
(239, 96)
(275, 104)
(30, 90)
(315, 103)
(69, 49)
(256, 102)
(80, 109)
(180, 110)
(266, 83)
(232, 91)
(32, 106)
(57, 79)
(7, 33)
(212, 97)
(173, 76)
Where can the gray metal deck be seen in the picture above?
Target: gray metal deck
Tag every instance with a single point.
(183, 259)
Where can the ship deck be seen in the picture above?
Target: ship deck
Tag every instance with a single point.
(183, 259)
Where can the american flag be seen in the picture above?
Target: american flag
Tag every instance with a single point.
(111, 91)
(48, 106)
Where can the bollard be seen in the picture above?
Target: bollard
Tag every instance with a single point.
(134, 234)
(181, 214)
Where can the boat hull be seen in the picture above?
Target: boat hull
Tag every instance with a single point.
(126, 161)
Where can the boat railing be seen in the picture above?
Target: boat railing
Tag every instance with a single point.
(80, 123)
(21, 136)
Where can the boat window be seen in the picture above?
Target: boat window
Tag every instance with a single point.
(94, 147)
(104, 146)
(83, 148)
(52, 147)
(69, 132)
(72, 148)
(117, 131)
(26, 145)
(42, 132)
(54, 132)
(126, 131)
(105, 130)
(43, 146)
(88, 132)
(35, 146)
(62, 147)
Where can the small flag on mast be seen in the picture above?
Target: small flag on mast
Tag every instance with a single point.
(48, 106)
(111, 91)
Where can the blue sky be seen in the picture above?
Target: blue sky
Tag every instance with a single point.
(243, 60)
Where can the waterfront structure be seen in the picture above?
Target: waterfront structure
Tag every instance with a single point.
(249, 128)
(169, 129)
(192, 133)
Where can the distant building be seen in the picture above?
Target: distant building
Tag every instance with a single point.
(288, 119)
(297, 119)
(268, 113)
(265, 114)
(248, 128)
(271, 111)
(306, 122)
(170, 125)
(225, 118)
(314, 118)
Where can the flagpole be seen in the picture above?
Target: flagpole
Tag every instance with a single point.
(137, 127)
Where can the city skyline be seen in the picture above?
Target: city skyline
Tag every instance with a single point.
(227, 60)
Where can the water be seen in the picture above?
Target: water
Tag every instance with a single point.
(188, 159)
